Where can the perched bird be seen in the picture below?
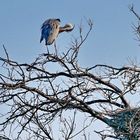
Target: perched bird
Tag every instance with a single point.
(51, 28)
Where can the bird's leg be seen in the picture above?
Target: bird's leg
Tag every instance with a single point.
(55, 48)
(47, 49)
(46, 46)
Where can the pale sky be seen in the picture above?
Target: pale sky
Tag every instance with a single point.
(112, 40)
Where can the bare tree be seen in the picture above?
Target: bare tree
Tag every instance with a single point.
(37, 99)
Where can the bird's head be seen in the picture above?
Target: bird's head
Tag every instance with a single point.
(69, 27)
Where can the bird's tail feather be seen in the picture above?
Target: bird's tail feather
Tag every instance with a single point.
(41, 39)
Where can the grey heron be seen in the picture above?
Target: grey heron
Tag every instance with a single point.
(51, 28)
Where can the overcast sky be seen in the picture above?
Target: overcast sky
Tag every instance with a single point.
(112, 40)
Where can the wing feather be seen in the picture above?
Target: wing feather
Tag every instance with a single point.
(50, 30)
